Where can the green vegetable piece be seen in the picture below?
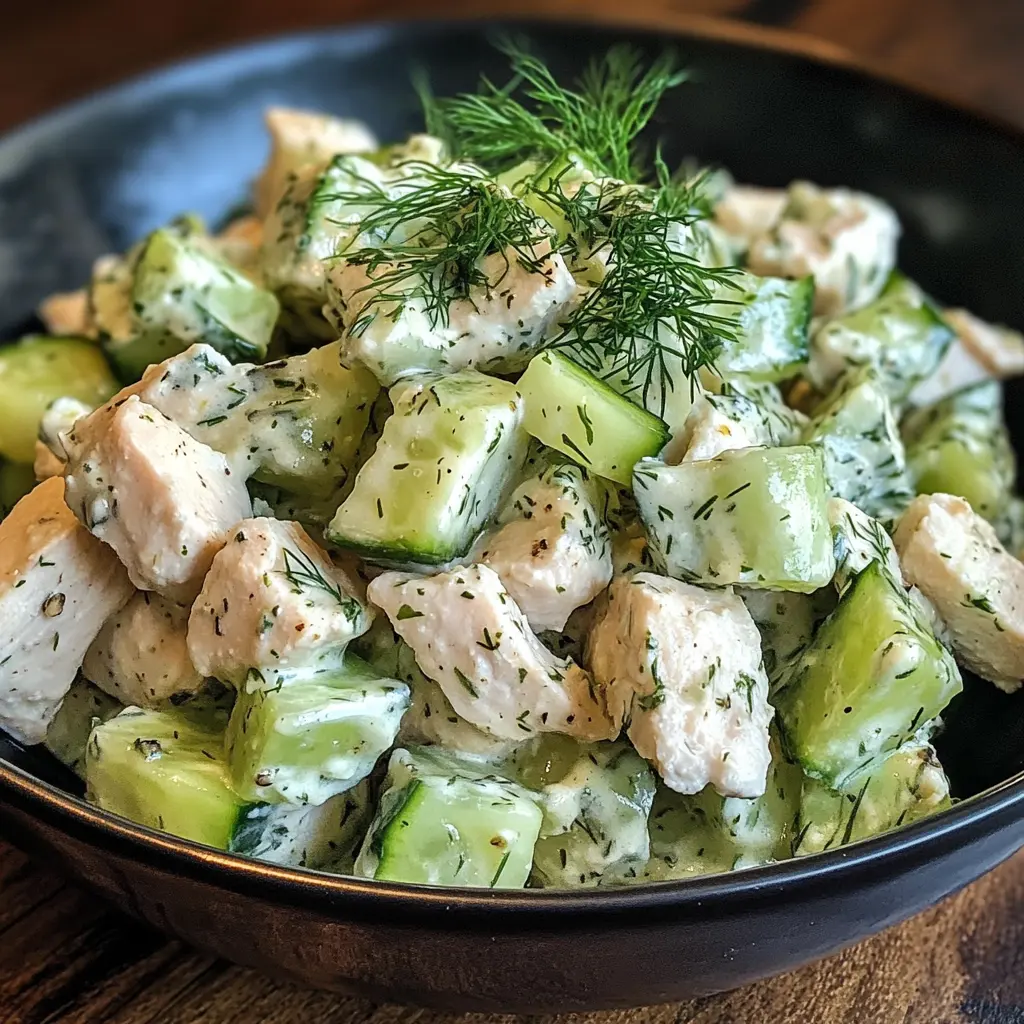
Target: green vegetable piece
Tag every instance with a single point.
(447, 819)
(873, 676)
(771, 322)
(570, 410)
(901, 335)
(182, 290)
(751, 516)
(165, 770)
(83, 707)
(323, 836)
(16, 480)
(310, 739)
(864, 458)
(961, 446)
(695, 835)
(905, 787)
(33, 373)
(595, 819)
(445, 460)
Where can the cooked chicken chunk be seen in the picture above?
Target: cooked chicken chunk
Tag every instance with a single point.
(66, 313)
(745, 211)
(273, 606)
(301, 139)
(163, 501)
(954, 557)
(683, 667)
(469, 635)
(846, 240)
(141, 655)
(550, 546)
(58, 585)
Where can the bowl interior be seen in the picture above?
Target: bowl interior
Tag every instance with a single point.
(96, 176)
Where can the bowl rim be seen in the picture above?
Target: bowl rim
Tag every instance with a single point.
(359, 897)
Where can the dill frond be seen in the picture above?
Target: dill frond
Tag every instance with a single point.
(535, 118)
(426, 239)
(651, 319)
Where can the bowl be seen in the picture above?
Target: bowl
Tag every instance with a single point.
(95, 176)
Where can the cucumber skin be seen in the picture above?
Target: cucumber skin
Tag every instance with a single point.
(553, 384)
(848, 665)
(765, 510)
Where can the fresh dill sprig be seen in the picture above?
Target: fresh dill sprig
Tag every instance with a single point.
(534, 117)
(302, 572)
(428, 238)
(652, 317)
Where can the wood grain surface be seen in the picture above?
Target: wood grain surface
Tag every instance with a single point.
(64, 957)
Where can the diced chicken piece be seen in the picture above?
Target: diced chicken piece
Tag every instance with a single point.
(498, 325)
(746, 211)
(846, 240)
(162, 500)
(469, 635)
(959, 368)
(683, 667)
(273, 607)
(629, 549)
(141, 654)
(240, 243)
(46, 464)
(710, 430)
(954, 557)
(300, 139)
(66, 313)
(999, 349)
(859, 540)
(58, 585)
(551, 547)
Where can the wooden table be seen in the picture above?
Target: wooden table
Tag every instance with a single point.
(65, 958)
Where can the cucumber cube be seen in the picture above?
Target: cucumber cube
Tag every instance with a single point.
(771, 327)
(446, 819)
(907, 786)
(310, 739)
(864, 458)
(445, 460)
(165, 770)
(67, 735)
(35, 372)
(751, 516)
(572, 411)
(871, 678)
(961, 446)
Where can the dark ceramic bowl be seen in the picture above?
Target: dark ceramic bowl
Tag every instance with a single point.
(95, 176)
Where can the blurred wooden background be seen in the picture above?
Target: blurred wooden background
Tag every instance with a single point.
(55, 50)
(65, 958)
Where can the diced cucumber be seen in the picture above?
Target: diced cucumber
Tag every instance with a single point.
(901, 335)
(864, 458)
(183, 291)
(306, 836)
(446, 819)
(907, 786)
(83, 707)
(771, 320)
(694, 835)
(859, 540)
(872, 677)
(34, 372)
(444, 462)
(961, 446)
(751, 516)
(313, 221)
(595, 819)
(16, 480)
(570, 410)
(164, 770)
(313, 738)
(786, 622)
